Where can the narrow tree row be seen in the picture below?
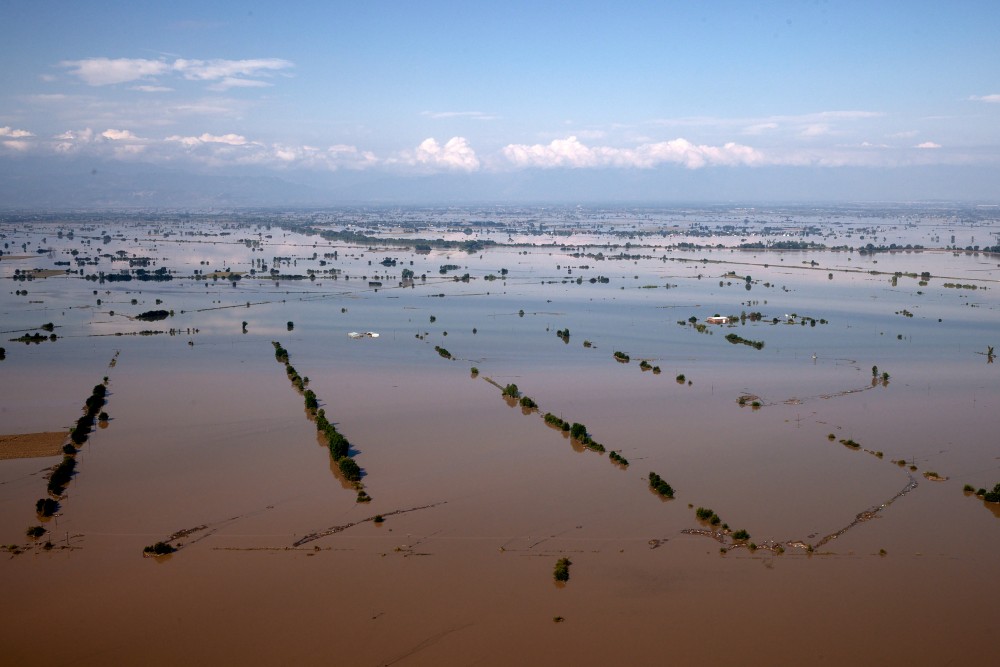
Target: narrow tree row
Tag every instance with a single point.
(61, 475)
(338, 445)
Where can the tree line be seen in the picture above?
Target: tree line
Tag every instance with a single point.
(337, 444)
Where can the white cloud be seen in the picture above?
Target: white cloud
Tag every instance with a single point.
(206, 138)
(341, 155)
(234, 82)
(18, 145)
(231, 139)
(906, 134)
(760, 128)
(456, 154)
(993, 99)
(815, 130)
(224, 73)
(570, 152)
(928, 144)
(14, 134)
(152, 89)
(107, 71)
(214, 70)
(119, 135)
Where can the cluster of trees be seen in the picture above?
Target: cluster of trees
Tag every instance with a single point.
(159, 549)
(990, 496)
(561, 571)
(443, 352)
(734, 339)
(46, 507)
(622, 357)
(338, 445)
(153, 315)
(91, 408)
(557, 422)
(35, 338)
(564, 334)
(658, 484)
(578, 432)
(61, 475)
(707, 515)
(618, 458)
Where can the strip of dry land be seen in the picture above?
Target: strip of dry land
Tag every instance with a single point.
(31, 445)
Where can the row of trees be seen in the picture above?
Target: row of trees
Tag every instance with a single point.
(61, 475)
(337, 444)
(734, 339)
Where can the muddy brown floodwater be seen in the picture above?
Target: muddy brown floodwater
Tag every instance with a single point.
(854, 556)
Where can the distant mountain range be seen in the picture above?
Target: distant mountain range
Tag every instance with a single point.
(86, 183)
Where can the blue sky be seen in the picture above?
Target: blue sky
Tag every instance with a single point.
(403, 89)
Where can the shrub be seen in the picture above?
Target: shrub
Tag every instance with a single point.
(741, 534)
(527, 402)
(46, 506)
(35, 531)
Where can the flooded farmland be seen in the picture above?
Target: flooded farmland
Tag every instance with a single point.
(837, 432)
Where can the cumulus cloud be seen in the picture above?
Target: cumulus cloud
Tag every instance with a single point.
(572, 153)
(70, 141)
(456, 154)
(993, 99)
(223, 74)
(928, 144)
(14, 134)
(152, 89)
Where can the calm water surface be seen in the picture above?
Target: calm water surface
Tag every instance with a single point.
(208, 435)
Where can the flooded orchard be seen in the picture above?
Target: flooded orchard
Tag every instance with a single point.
(809, 474)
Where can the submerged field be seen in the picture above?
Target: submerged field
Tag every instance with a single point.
(831, 428)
